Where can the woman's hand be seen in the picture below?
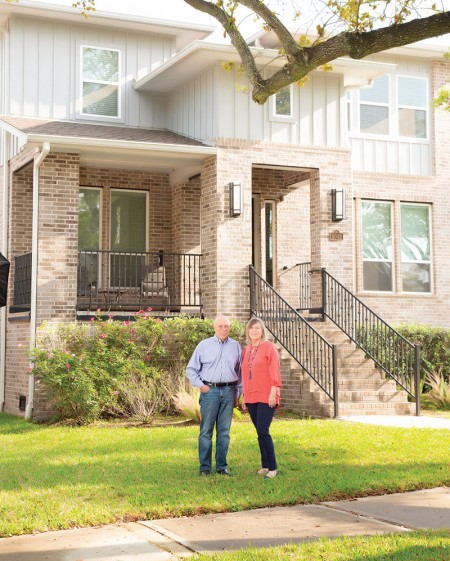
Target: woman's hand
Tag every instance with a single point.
(243, 406)
(272, 402)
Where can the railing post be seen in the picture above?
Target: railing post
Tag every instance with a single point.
(252, 290)
(324, 293)
(335, 382)
(417, 376)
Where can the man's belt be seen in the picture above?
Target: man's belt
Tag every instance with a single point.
(219, 384)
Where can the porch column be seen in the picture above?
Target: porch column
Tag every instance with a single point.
(58, 238)
(226, 241)
(332, 243)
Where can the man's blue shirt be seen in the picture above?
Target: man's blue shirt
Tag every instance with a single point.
(217, 362)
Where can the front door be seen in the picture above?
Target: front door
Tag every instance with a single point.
(264, 238)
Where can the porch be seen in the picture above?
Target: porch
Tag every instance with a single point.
(112, 281)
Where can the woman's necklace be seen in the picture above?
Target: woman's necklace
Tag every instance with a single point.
(251, 358)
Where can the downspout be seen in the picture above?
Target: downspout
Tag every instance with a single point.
(6, 138)
(34, 262)
(4, 250)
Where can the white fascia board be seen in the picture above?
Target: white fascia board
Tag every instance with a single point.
(75, 142)
(184, 33)
(21, 136)
(201, 55)
(189, 62)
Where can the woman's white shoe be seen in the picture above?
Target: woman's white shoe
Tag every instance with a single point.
(270, 474)
(262, 471)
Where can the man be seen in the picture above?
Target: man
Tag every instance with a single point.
(215, 368)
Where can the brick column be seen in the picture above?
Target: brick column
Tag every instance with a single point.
(226, 241)
(58, 238)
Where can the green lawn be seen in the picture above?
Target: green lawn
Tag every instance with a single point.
(55, 477)
(410, 546)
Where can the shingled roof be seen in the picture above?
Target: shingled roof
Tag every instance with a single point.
(68, 129)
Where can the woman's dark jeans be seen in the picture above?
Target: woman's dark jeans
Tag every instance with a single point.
(261, 415)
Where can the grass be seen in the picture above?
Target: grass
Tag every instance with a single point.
(409, 546)
(54, 477)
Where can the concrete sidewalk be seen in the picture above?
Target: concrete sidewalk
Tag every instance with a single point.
(175, 538)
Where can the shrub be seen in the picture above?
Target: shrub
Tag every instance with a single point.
(438, 397)
(112, 368)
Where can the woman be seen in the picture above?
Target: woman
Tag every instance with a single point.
(261, 380)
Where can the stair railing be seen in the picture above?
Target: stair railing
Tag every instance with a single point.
(397, 356)
(305, 345)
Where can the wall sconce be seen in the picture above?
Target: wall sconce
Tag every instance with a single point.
(337, 205)
(236, 198)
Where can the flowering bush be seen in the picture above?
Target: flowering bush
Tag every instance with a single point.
(112, 368)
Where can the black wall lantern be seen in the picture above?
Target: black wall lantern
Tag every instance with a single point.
(236, 198)
(337, 205)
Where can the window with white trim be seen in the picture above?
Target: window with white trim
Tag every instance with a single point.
(282, 105)
(416, 256)
(380, 240)
(100, 80)
(374, 107)
(412, 100)
(377, 246)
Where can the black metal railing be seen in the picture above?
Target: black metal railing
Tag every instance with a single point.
(305, 298)
(312, 352)
(397, 356)
(115, 280)
(22, 283)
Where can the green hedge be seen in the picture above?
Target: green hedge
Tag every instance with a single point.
(434, 346)
(112, 368)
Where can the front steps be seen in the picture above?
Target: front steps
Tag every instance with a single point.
(363, 388)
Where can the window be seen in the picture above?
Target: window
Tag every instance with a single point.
(377, 246)
(412, 106)
(128, 234)
(283, 102)
(100, 72)
(374, 107)
(413, 239)
(415, 234)
(88, 237)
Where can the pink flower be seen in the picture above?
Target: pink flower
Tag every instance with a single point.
(149, 309)
(147, 358)
(68, 366)
(103, 336)
(130, 340)
(92, 319)
(116, 393)
(110, 316)
(126, 322)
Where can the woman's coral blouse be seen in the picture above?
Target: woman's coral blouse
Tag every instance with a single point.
(265, 373)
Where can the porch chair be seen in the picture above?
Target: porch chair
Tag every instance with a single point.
(155, 290)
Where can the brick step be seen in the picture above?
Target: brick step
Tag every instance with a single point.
(348, 409)
(363, 383)
(372, 396)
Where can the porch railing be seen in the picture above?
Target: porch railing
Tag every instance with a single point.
(114, 280)
(305, 345)
(22, 283)
(392, 352)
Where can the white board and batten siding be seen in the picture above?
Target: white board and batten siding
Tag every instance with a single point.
(216, 104)
(44, 79)
(396, 154)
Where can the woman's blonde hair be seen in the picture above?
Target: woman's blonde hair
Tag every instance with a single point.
(251, 322)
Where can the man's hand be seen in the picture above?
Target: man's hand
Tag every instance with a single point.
(204, 388)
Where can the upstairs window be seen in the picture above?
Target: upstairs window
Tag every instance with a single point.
(374, 107)
(412, 106)
(100, 72)
(282, 105)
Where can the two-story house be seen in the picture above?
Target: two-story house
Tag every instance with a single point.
(137, 172)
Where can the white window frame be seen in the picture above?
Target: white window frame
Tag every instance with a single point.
(426, 108)
(377, 104)
(274, 116)
(391, 261)
(429, 262)
(119, 118)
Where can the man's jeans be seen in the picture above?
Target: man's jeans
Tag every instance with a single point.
(216, 407)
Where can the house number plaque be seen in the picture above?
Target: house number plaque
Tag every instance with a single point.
(335, 236)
